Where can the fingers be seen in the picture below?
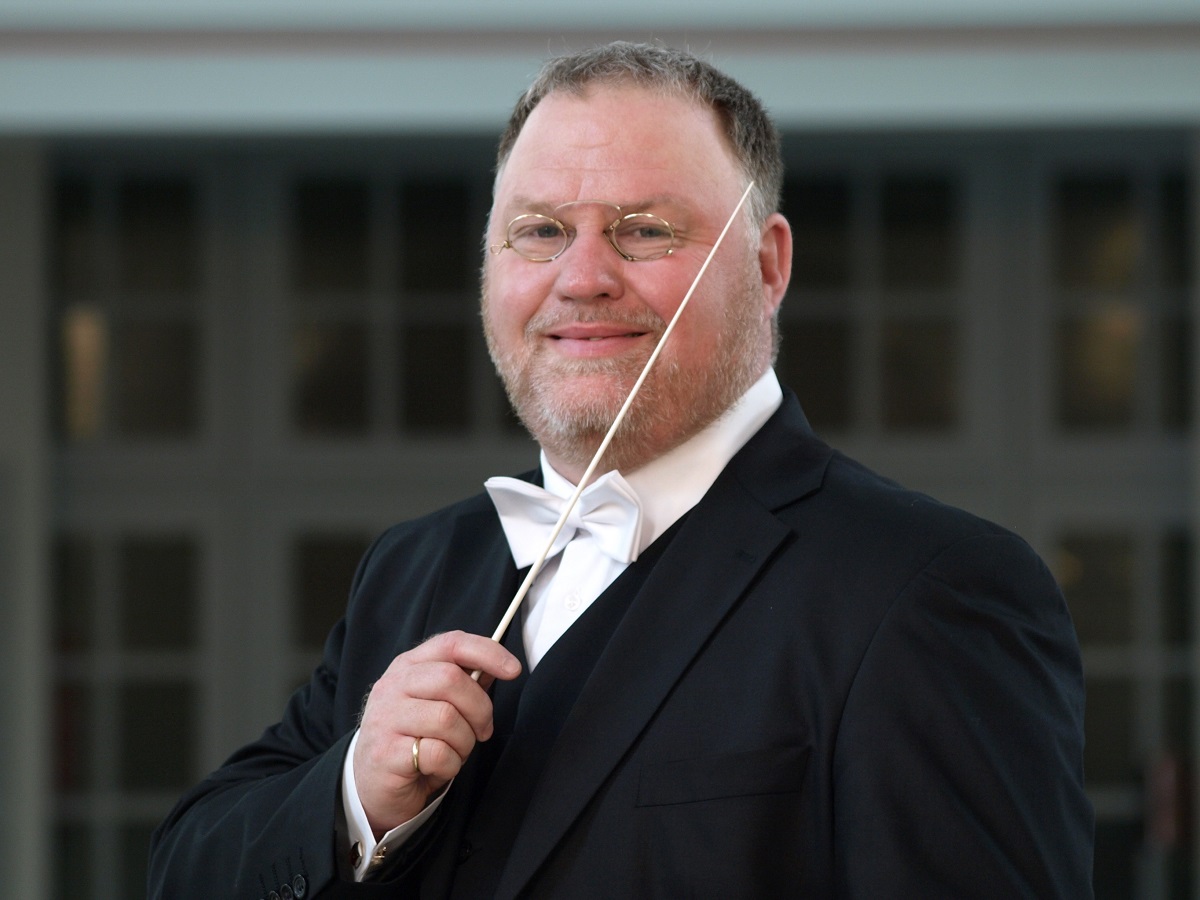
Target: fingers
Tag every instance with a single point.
(437, 760)
(426, 693)
(438, 672)
(470, 652)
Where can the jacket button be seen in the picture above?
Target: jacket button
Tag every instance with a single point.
(299, 886)
(285, 892)
(465, 851)
(273, 896)
(356, 854)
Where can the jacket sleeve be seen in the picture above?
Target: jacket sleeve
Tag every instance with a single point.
(958, 764)
(271, 816)
(266, 818)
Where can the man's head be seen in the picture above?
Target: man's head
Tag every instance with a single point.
(752, 136)
(619, 131)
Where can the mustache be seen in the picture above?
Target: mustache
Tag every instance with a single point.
(636, 320)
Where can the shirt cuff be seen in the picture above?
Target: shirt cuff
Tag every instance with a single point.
(366, 852)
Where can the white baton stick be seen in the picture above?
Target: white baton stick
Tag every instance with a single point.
(498, 635)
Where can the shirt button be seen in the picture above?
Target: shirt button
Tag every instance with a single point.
(572, 602)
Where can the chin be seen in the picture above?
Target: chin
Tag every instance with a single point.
(583, 391)
(572, 416)
(576, 412)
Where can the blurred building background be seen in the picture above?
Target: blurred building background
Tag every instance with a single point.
(238, 336)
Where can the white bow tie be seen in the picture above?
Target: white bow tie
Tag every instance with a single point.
(608, 509)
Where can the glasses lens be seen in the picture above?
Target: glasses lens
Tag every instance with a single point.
(643, 236)
(537, 237)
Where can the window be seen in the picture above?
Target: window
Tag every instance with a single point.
(872, 329)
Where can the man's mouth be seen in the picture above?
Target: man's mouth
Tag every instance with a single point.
(590, 332)
(590, 339)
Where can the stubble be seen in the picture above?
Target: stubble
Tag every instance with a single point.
(569, 405)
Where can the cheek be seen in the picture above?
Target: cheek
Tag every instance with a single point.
(513, 296)
(696, 337)
(700, 324)
(663, 292)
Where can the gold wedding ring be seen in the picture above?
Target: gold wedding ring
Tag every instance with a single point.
(417, 756)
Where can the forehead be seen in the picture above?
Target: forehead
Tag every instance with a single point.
(620, 143)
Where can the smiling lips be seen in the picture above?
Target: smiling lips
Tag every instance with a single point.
(594, 338)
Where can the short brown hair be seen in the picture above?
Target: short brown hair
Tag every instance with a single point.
(751, 133)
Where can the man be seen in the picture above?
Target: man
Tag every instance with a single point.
(783, 676)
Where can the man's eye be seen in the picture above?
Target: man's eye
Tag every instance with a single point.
(650, 232)
(535, 232)
(643, 230)
(644, 236)
(643, 227)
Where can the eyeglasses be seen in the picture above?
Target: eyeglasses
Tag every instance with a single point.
(637, 237)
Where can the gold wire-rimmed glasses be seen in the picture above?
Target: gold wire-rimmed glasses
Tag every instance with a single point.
(637, 237)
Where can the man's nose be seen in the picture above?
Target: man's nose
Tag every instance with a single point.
(590, 269)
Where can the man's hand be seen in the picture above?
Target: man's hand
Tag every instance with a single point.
(426, 693)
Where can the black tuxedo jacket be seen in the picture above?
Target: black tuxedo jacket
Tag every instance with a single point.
(825, 686)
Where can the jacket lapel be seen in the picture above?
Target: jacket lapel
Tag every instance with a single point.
(720, 548)
(478, 578)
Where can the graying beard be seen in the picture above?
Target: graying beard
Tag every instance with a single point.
(574, 434)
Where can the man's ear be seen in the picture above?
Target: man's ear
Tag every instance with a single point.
(775, 260)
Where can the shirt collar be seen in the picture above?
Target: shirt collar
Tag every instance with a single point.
(670, 485)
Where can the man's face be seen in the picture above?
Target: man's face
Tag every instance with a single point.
(570, 336)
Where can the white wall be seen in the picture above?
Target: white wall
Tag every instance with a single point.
(195, 66)
(539, 14)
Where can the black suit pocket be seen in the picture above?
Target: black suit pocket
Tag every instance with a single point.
(772, 770)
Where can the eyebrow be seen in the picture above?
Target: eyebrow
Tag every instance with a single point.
(547, 208)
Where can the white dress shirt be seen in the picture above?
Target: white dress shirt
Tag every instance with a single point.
(666, 488)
